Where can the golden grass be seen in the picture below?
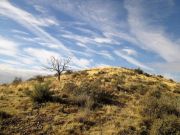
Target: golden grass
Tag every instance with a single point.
(61, 118)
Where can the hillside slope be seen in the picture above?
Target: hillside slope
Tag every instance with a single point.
(102, 101)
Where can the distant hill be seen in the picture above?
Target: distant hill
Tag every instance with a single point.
(101, 101)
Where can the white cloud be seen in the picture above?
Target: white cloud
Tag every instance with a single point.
(8, 73)
(103, 40)
(41, 55)
(31, 23)
(171, 67)
(8, 47)
(129, 51)
(82, 63)
(132, 60)
(150, 37)
(106, 54)
(19, 32)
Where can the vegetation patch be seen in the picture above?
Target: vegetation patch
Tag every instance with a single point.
(4, 115)
(41, 93)
(162, 111)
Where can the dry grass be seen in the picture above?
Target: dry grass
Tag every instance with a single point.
(107, 101)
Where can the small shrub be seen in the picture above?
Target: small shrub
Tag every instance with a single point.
(148, 75)
(4, 84)
(163, 105)
(171, 80)
(75, 74)
(177, 91)
(41, 93)
(160, 76)
(139, 71)
(17, 80)
(68, 72)
(38, 78)
(156, 94)
(135, 88)
(129, 131)
(69, 87)
(169, 125)
(4, 115)
(89, 95)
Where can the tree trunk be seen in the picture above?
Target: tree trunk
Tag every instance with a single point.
(59, 77)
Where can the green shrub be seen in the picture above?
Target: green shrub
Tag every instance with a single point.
(38, 78)
(156, 94)
(160, 76)
(139, 71)
(165, 104)
(161, 112)
(89, 94)
(69, 87)
(17, 80)
(41, 93)
(177, 89)
(134, 88)
(4, 115)
(68, 72)
(169, 125)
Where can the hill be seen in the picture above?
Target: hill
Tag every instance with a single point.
(102, 101)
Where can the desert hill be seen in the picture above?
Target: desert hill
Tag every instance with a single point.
(101, 101)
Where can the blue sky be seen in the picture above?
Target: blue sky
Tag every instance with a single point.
(126, 33)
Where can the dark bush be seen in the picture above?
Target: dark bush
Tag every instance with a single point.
(158, 105)
(38, 78)
(4, 115)
(134, 88)
(89, 94)
(169, 125)
(68, 72)
(69, 87)
(139, 71)
(17, 80)
(156, 94)
(84, 72)
(160, 76)
(162, 112)
(41, 93)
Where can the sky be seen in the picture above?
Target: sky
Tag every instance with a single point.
(94, 33)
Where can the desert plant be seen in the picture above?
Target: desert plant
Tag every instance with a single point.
(4, 115)
(17, 80)
(161, 112)
(139, 71)
(91, 95)
(38, 78)
(160, 76)
(41, 93)
(68, 72)
(165, 104)
(169, 125)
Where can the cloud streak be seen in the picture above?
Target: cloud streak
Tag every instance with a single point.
(150, 37)
(132, 60)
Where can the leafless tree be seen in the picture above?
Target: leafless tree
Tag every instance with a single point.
(58, 65)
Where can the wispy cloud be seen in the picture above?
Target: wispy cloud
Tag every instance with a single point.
(34, 24)
(150, 37)
(31, 23)
(7, 47)
(132, 60)
(129, 51)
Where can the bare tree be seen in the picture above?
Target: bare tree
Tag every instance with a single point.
(58, 65)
